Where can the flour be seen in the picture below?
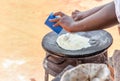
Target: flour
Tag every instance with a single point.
(87, 72)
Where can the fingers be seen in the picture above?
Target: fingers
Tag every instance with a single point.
(75, 19)
(56, 24)
(54, 20)
(59, 14)
(75, 12)
(57, 20)
(77, 15)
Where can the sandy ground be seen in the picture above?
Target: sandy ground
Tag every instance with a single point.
(22, 29)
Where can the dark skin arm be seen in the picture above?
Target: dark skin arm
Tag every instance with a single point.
(103, 18)
(77, 15)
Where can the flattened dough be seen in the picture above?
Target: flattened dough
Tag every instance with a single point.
(72, 41)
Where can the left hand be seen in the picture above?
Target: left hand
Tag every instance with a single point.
(77, 15)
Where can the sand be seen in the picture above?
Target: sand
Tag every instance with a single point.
(22, 29)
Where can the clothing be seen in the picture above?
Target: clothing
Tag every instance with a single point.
(117, 9)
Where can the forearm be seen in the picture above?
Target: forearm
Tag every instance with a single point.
(104, 18)
(93, 10)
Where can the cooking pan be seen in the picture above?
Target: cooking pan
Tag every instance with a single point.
(100, 40)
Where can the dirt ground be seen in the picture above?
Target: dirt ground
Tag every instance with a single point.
(22, 29)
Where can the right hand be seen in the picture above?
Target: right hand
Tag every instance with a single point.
(64, 21)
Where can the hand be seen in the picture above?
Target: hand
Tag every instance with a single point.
(64, 21)
(77, 15)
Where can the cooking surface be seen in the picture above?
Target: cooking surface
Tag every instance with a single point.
(99, 40)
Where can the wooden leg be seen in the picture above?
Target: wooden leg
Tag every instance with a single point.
(46, 76)
(119, 28)
(111, 71)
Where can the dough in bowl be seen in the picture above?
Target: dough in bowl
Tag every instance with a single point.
(72, 41)
(87, 72)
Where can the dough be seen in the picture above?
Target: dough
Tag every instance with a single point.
(72, 41)
(87, 72)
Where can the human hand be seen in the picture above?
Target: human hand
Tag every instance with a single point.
(77, 15)
(64, 20)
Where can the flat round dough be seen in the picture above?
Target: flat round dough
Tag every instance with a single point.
(70, 41)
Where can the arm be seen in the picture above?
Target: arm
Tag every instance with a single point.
(104, 18)
(77, 15)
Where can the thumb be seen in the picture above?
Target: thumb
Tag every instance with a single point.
(76, 18)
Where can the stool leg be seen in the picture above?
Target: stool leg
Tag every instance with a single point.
(46, 76)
